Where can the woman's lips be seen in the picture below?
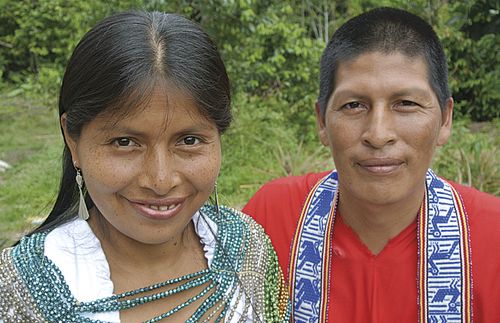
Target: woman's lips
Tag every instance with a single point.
(158, 209)
(380, 166)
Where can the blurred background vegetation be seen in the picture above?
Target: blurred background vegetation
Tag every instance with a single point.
(271, 49)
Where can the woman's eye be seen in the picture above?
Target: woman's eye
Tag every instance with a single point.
(352, 105)
(190, 140)
(123, 142)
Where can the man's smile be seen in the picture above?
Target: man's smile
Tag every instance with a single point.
(380, 166)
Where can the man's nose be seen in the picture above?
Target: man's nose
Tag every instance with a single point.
(379, 127)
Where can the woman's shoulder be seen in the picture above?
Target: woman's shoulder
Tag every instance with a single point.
(228, 216)
(5, 262)
(244, 241)
(25, 250)
(16, 303)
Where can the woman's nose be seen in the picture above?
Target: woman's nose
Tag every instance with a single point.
(159, 172)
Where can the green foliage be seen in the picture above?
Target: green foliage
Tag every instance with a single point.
(260, 146)
(36, 33)
(271, 48)
(43, 86)
(474, 56)
(471, 157)
(268, 55)
(39, 32)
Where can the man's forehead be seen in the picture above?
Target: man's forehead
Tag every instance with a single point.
(385, 65)
(382, 73)
(382, 56)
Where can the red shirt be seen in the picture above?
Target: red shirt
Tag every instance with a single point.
(382, 287)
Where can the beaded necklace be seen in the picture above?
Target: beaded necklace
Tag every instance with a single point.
(47, 286)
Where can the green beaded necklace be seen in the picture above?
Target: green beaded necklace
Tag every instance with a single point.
(47, 286)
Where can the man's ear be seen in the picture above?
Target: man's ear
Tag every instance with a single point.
(323, 135)
(69, 140)
(447, 121)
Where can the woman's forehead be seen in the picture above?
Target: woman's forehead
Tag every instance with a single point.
(160, 103)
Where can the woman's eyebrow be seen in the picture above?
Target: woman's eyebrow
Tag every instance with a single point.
(108, 127)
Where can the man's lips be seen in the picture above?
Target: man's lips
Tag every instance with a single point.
(158, 208)
(380, 165)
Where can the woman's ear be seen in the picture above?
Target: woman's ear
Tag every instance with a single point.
(70, 142)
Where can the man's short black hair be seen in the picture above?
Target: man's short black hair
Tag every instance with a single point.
(385, 30)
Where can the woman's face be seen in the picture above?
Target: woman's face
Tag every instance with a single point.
(149, 172)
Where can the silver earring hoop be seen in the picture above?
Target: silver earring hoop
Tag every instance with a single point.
(83, 213)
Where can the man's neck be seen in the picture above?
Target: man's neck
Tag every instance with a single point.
(376, 224)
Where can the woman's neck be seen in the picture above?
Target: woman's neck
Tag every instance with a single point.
(148, 263)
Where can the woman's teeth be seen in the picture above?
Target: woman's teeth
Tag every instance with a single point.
(162, 207)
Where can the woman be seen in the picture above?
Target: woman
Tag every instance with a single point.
(144, 100)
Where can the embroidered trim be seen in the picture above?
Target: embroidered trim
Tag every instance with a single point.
(444, 255)
(310, 255)
(444, 281)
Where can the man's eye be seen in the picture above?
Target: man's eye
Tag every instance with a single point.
(406, 106)
(190, 140)
(408, 103)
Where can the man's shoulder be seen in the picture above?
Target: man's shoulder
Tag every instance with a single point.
(296, 184)
(282, 197)
(477, 202)
(483, 216)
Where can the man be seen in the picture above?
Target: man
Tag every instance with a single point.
(382, 238)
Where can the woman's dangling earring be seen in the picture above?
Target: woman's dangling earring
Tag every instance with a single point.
(83, 213)
(216, 198)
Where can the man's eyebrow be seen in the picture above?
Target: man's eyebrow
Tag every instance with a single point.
(413, 91)
(403, 92)
(350, 93)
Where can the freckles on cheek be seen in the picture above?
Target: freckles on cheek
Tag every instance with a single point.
(209, 168)
(108, 177)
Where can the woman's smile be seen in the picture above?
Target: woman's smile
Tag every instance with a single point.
(158, 209)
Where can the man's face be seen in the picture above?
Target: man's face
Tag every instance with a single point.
(382, 124)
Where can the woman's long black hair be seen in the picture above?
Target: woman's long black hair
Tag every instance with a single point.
(115, 67)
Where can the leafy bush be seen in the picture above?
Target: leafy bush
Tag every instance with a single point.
(37, 33)
(42, 87)
(271, 48)
(260, 146)
(472, 157)
(472, 43)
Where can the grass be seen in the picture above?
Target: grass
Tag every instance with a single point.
(30, 143)
(259, 147)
